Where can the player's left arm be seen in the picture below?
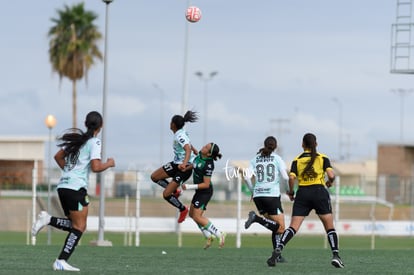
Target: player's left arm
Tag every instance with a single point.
(329, 172)
(206, 183)
(203, 185)
(331, 177)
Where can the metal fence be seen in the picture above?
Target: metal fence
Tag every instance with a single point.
(131, 194)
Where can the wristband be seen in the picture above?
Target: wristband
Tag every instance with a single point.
(191, 186)
(291, 193)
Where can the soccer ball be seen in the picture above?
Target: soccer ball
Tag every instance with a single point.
(193, 14)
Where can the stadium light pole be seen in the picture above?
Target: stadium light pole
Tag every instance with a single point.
(337, 101)
(50, 122)
(402, 93)
(184, 97)
(101, 241)
(205, 80)
(161, 119)
(280, 130)
(185, 63)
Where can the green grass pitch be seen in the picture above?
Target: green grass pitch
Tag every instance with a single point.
(305, 255)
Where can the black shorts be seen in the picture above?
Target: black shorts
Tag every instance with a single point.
(312, 197)
(72, 200)
(176, 174)
(268, 205)
(201, 198)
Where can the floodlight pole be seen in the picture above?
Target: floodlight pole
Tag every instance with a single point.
(402, 93)
(185, 80)
(280, 130)
(184, 101)
(161, 119)
(101, 241)
(335, 99)
(50, 122)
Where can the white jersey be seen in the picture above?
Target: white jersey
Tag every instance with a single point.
(75, 175)
(180, 140)
(268, 172)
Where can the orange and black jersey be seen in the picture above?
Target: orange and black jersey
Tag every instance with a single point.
(315, 175)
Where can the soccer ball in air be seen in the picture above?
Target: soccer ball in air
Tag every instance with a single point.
(193, 14)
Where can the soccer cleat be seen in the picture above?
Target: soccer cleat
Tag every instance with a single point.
(177, 193)
(250, 219)
(275, 255)
(337, 262)
(222, 239)
(43, 219)
(209, 242)
(183, 215)
(64, 266)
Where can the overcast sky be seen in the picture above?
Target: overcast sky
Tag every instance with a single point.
(284, 68)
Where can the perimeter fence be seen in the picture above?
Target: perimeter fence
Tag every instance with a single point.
(362, 206)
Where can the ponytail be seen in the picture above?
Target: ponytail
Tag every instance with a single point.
(309, 142)
(179, 121)
(74, 138)
(270, 144)
(215, 151)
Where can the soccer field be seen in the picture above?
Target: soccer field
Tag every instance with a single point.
(190, 260)
(304, 255)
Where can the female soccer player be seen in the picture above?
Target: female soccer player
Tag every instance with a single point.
(269, 170)
(203, 170)
(80, 152)
(309, 169)
(180, 168)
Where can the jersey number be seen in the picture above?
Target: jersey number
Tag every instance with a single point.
(265, 173)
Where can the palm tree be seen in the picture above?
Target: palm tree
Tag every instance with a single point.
(73, 46)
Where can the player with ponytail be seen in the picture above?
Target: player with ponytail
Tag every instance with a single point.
(79, 153)
(179, 169)
(202, 172)
(269, 171)
(313, 173)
